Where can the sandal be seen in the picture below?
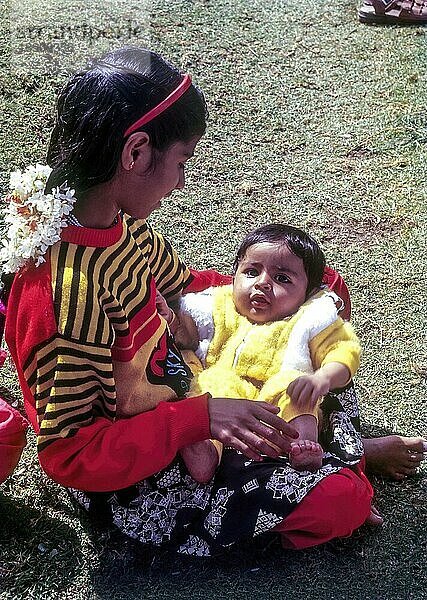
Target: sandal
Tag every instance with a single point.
(401, 12)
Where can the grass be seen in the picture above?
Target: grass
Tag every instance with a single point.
(315, 120)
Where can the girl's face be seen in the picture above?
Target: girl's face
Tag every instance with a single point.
(148, 188)
(270, 283)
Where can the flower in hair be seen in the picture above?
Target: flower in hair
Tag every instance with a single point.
(35, 218)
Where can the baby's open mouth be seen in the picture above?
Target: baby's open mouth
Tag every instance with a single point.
(259, 300)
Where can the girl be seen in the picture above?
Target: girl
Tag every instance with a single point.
(85, 335)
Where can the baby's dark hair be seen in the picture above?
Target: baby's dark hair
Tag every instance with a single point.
(97, 106)
(299, 243)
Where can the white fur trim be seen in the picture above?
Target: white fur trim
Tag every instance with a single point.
(200, 307)
(319, 314)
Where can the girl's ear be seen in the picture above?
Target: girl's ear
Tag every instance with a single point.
(136, 152)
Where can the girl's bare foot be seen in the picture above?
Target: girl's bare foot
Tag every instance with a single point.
(201, 460)
(306, 455)
(394, 456)
(374, 518)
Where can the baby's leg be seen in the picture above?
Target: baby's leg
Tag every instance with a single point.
(306, 454)
(201, 460)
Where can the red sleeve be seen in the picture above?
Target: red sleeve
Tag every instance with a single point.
(201, 280)
(336, 283)
(106, 456)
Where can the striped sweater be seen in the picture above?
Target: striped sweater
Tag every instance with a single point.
(90, 349)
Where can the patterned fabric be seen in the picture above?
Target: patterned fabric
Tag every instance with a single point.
(245, 499)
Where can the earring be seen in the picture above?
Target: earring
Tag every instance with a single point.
(131, 166)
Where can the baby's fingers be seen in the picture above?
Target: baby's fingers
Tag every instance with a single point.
(301, 393)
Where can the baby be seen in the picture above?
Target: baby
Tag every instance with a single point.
(273, 335)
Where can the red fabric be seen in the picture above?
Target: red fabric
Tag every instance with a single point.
(106, 456)
(334, 508)
(30, 303)
(336, 283)
(201, 280)
(93, 238)
(12, 438)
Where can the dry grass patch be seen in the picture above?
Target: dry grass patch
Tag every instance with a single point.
(365, 232)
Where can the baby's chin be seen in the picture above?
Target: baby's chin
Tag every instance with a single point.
(261, 317)
(258, 317)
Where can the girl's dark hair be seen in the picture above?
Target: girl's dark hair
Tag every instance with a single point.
(299, 243)
(97, 105)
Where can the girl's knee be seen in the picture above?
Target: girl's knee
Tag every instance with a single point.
(347, 499)
(334, 508)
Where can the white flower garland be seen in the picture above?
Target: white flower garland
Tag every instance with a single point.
(35, 218)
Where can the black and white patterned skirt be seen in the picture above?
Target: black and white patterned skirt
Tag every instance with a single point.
(245, 498)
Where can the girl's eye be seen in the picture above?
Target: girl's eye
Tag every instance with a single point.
(282, 278)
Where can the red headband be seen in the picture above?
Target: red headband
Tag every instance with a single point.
(163, 105)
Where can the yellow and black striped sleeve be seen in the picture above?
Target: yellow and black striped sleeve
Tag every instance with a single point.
(169, 271)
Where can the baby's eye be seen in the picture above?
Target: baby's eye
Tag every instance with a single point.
(251, 272)
(282, 278)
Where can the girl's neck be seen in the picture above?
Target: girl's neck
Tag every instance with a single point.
(97, 207)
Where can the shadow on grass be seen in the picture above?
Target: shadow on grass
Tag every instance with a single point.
(33, 551)
(385, 558)
(260, 567)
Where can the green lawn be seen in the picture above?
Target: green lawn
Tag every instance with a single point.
(315, 120)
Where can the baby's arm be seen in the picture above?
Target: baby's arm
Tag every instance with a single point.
(185, 333)
(307, 389)
(181, 325)
(336, 356)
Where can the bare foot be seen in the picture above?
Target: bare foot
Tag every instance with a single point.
(306, 455)
(374, 518)
(394, 456)
(201, 460)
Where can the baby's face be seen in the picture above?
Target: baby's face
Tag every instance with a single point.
(270, 283)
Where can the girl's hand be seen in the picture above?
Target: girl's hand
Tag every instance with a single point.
(250, 427)
(306, 390)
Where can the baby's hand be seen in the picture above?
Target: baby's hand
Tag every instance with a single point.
(163, 308)
(166, 312)
(306, 390)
